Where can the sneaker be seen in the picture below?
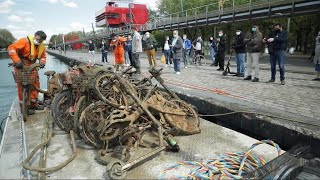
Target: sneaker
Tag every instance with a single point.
(220, 69)
(39, 107)
(271, 81)
(240, 75)
(283, 82)
(31, 111)
(212, 65)
(235, 75)
(171, 65)
(186, 67)
(166, 65)
(255, 80)
(247, 78)
(177, 72)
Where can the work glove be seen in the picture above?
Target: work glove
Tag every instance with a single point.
(19, 65)
(42, 65)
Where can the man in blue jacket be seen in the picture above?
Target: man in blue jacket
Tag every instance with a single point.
(278, 43)
(186, 50)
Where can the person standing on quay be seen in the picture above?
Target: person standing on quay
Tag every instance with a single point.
(149, 45)
(92, 52)
(221, 51)
(176, 50)
(118, 43)
(166, 51)
(254, 47)
(104, 51)
(212, 49)
(186, 50)
(240, 49)
(279, 41)
(316, 58)
(136, 49)
(128, 48)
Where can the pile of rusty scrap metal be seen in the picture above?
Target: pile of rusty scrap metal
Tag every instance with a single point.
(113, 111)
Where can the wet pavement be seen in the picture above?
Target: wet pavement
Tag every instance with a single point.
(298, 100)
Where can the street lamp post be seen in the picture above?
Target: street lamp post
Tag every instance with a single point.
(181, 4)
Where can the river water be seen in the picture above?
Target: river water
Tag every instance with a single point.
(8, 90)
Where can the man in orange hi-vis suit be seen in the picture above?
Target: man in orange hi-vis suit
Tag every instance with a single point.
(25, 52)
(118, 43)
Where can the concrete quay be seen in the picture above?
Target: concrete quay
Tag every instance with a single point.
(287, 113)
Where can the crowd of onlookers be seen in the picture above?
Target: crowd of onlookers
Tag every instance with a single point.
(246, 46)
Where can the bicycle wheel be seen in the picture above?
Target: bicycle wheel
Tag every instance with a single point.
(197, 61)
(203, 60)
(25, 103)
(63, 110)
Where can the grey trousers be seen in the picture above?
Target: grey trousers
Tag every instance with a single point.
(136, 61)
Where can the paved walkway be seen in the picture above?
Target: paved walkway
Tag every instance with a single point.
(298, 99)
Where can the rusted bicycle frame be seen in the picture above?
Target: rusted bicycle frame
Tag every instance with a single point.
(25, 77)
(118, 110)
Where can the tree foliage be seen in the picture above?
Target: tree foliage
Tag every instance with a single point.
(6, 38)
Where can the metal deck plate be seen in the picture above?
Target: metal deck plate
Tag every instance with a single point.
(213, 140)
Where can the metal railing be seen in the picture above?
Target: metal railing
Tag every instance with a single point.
(230, 7)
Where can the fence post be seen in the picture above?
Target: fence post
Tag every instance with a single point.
(207, 14)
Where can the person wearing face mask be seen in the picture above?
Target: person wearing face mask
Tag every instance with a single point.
(104, 51)
(128, 49)
(136, 49)
(149, 45)
(254, 48)
(240, 48)
(117, 42)
(25, 52)
(212, 49)
(177, 44)
(279, 41)
(92, 52)
(166, 51)
(186, 50)
(198, 46)
(221, 50)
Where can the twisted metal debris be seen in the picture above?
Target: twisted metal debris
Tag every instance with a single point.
(113, 111)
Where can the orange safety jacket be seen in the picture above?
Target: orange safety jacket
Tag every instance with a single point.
(21, 50)
(119, 49)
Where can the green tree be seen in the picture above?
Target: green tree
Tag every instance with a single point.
(6, 38)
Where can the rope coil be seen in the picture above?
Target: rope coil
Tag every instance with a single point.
(230, 165)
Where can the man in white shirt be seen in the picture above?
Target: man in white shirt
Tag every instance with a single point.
(136, 49)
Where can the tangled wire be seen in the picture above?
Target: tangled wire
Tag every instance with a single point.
(228, 165)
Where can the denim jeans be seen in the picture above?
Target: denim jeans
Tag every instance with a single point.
(212, 54)
(126, 57)
(240, 59)
(104, 56)
(167, 56)
(176, 63)
(186, 56)
(280, 57)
